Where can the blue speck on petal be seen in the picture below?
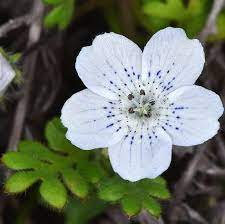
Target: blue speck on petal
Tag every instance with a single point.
(110, 125)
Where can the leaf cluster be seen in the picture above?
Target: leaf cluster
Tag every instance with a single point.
(134, 197)
(190, 16)
(60, 166)
(57, 166)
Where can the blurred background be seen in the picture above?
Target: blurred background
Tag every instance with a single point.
(49, 35)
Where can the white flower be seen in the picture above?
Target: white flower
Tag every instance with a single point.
(139, 104)
(7, 74)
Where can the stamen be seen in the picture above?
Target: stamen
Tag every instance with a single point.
(142, 92)
(148, 115)
(131, 110)
(130, 96)
(152, 102)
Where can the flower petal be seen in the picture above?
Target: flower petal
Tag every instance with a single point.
(93, 121)
(141, 155)
(110, 66)
(192, 114)
(171, 60)
(6, 74)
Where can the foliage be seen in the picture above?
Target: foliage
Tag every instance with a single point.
(60, 166)
(65, 164)
(61, 13)
(191, 17)
(153, 15)
(80, 212)
(135, 196)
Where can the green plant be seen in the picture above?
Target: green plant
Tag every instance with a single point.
(135, 196)
(61, 13)
(60, 166)
(80, 212)
(191, 16)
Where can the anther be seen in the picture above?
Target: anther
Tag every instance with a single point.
(131, 110)
(130, 97)
(152, 103)
(142, 92)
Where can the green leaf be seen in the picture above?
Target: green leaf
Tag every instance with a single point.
(156, 188)
(53, 191)
(191, 17)
(60, 15)
(55, 134)
(172, 9)
(75, 182)
(53, 18)
(112, 189)
(159, 191)
(152, 206)
(19, 161)
(131, 205)
(20, 181)
(91, 171)
(36, 151)
(134, 196)
(80, 212)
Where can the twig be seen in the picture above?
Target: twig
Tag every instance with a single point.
(194, 215)
(145, 218)
(210, 26)
(220, 145)
(191, 170)
(127, 18)
(30, 63)
(16, 23)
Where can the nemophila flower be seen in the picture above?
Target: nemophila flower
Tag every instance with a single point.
(6, 74)
(140, 103)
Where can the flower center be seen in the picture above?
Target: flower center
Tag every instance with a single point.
(143, 108)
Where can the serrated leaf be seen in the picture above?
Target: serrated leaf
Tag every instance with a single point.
(91, 171)
(158, 190)
(55, 134)
(36, 151)
(20, 161)
(112, 189)
(78, 212)
(159, 180)
(20, 181)
(53, 191)
(48, 165)
(131, 205)
(75, 182)
(152, 206)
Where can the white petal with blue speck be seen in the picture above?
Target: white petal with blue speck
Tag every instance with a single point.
(140, 103)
